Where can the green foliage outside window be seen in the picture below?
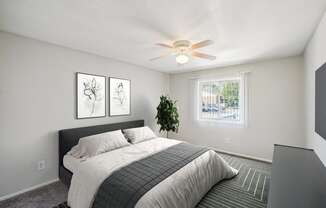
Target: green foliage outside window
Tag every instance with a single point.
(230, 93)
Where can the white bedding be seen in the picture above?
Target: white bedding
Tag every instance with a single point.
(71, 163)
(184, 188)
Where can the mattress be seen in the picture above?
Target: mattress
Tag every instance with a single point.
(71, 163)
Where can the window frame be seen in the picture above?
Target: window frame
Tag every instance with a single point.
(243, 100)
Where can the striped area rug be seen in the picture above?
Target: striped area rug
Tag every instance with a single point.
(249, 189)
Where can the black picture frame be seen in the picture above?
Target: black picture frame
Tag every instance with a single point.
(110, 99)
(77, 96)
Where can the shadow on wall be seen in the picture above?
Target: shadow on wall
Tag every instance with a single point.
(48, 154)
(149, 112)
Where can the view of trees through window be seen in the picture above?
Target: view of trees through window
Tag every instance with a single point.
(220, 100)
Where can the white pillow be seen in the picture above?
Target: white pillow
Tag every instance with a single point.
(136, 135)
(99, 143)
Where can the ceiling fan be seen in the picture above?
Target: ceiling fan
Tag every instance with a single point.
(183, 50)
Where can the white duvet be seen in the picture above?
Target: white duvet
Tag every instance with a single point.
(183, 189)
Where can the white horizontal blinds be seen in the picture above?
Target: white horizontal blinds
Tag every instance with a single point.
(219, 100)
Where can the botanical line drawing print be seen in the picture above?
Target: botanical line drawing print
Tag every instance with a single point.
(119, 97)
(92, 92)
(120, 94)
(91, 96)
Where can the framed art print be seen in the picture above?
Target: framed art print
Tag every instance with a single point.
(91, 96)
(119, 96)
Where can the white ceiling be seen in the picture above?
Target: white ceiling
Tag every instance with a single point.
(127, 30)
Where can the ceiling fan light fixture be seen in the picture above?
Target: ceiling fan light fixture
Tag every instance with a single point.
(182, 59)
(183, 50)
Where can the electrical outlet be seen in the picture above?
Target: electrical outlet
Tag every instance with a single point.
(41, 165)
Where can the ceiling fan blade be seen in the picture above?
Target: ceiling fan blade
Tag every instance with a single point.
(159, 57)
(203, 55)
(164, 45)
(202, 44)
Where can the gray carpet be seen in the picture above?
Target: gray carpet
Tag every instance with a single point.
(248, 190)
(45, 197)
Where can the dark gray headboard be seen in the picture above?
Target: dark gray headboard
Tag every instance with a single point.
(70, 137)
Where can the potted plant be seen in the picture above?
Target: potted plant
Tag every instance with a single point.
(167, 115)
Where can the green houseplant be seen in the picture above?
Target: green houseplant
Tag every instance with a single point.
(167, 115)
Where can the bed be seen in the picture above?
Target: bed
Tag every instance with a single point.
(109, 179)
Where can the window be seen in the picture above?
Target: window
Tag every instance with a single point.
(222, 100)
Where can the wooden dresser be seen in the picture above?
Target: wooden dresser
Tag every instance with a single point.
(298, 179)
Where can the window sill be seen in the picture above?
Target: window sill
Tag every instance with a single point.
(221, 124)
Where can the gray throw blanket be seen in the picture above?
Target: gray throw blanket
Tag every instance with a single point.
(126, 186)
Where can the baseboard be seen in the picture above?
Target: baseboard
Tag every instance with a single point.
(2, 198)
(244, 156)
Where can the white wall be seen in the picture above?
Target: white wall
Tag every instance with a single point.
(37, 98)
(314, 57)
(275, 109)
